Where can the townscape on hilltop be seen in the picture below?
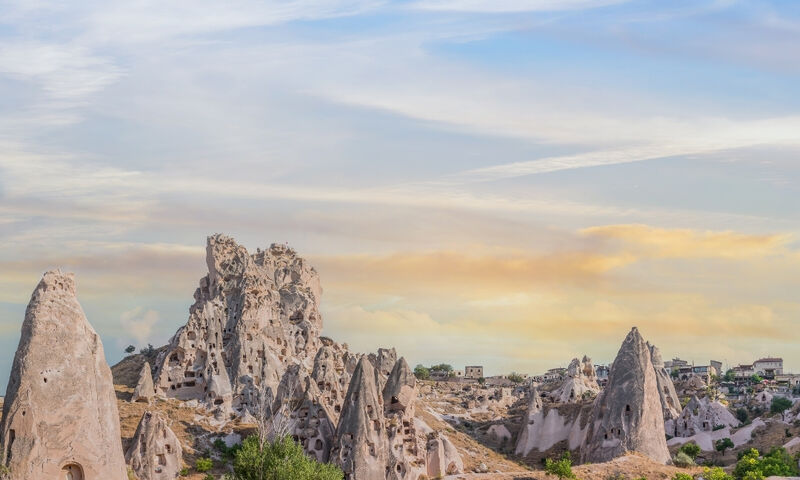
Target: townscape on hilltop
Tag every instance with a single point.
(249, 378)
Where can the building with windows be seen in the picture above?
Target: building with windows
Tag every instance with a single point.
(768, 367)
(474, 371)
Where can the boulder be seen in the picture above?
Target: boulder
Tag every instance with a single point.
(155, 453)
(60, 413)
(144, 391)
(627, 416)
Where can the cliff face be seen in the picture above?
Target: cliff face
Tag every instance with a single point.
(628, 415)
(60, 412)
(253, 316)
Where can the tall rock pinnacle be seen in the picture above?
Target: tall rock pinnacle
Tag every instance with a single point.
(628, 415)
(60, 414)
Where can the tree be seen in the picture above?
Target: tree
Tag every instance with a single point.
(481, 380)
(422, 373)
(515, 377)
(280, 459)
(741, 415)
(147, 351)
(730, 376)
(692, 449)
(723, 444)
(442, 369)
(561, 468)
(777, 462)
(715, 473)
(756, 378)
(780, 405)
(130, 349)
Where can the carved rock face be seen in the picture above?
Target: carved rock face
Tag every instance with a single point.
(670, 403)
(156, 452)
(253, 316)
(360, 443)
(627, 415)
(60, 412)
(580, 382)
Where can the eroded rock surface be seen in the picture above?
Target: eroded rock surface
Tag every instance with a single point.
(627, 415)
(670, 403)
(156, 452)
(144, 391)
(580, 382)
(253, 316)
(702, 415)
(60, 412)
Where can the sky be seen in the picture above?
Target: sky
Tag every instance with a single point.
(508, 183)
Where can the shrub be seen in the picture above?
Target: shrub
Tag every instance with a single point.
(208, 477)
(421, 372)
(715, 473)
(776, 463)
(515, 377)
(682, 476)
(741, 415)
(692, 449)
(130, 349)
(481, 380)
(281, 459)
(683, 460)
(184, 472)
(717, 427)
(561, 468)
(203, 465)
(228, 453)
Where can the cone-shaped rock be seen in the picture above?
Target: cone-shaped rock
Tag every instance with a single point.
(580, 383)
(60, 413)
(407, 453)
(313, 424)
(627, 415)
(360, 443)
(670, 403)
(530, 429)
(144, 391)
(155, 453)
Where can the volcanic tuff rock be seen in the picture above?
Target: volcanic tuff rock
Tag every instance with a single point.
(406, 454)
(627, 415)
(253, 316)
(156, 452)
(701, 415)
(60, 412)
(360, 443)
(547, 426)
(144, 391)
(442, 457)
(670, 403)
(313, 423)
(581, 381)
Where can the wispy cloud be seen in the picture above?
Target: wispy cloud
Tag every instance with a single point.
(512, 6)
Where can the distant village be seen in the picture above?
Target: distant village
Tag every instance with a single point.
(736, 383)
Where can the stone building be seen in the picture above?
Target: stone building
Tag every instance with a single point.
(475, 371)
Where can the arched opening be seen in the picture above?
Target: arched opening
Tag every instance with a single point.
(71, 471)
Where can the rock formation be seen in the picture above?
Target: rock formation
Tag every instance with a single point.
(333, 366)
(253, 316)
(144, 391)
(627, 415)
(701, 415)
(406, 454)
(670, 403)
(155, 453)
(383, 362)
(313, 423)
(359, 446)
(546, 426)
(60, 412)
(442, 457)
(580, 382)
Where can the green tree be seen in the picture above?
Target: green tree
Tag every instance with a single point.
(203, 465)
(715, 473)
(481, 380)
(755, 378)
(730, 376)
(741, 415)
(779, 405)
(723, 444)
(683, 460)
(421, 372)
(777, 462)
(280, 460)
(692, 449)
(562, 468)
(130, 349)
(515, 377)
(442, 369)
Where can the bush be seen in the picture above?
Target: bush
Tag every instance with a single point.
(715, 473)
(421, 372)
(683, 460)
(723, 444)
(184, 472)
(228, 453)
(776, 463)
(481, 380)
(279, 460)
(203, 465)
(515, 377)
(208, 477)
(741, 415)
(682, 476)
(561, 468)
(130, 349)
(692, 449)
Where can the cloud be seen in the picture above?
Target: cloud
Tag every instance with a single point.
(512, 6)
(138, 323)
(686, 243)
